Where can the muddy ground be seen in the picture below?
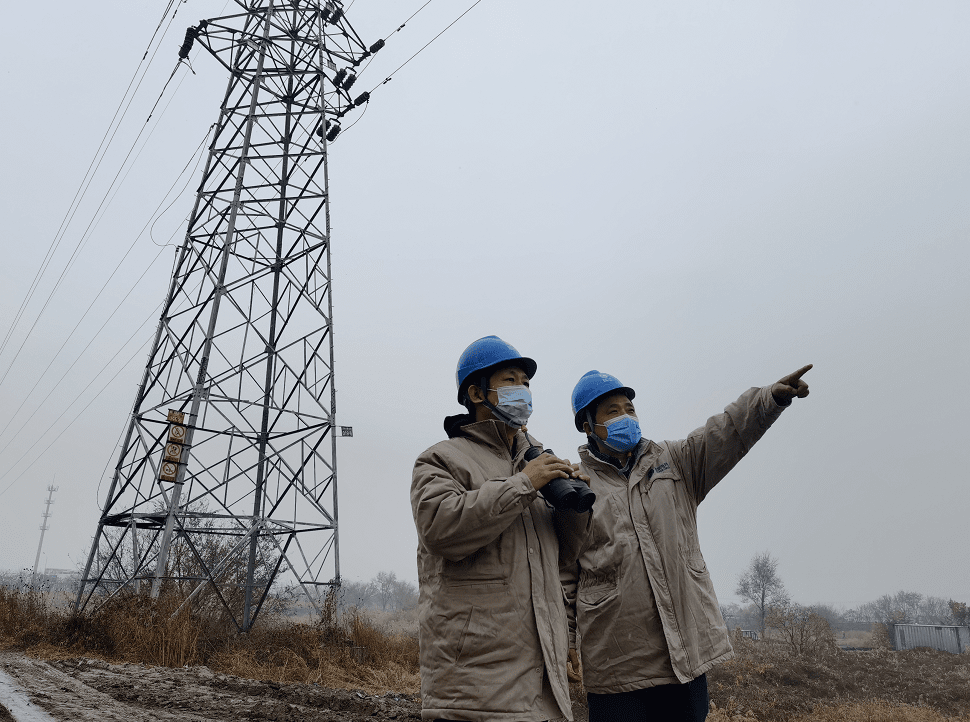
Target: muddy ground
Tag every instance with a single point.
(89, 690)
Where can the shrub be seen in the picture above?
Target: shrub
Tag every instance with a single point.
(801, 629)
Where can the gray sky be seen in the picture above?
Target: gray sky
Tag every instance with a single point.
(697, 198)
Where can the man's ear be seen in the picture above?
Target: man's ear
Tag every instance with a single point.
(586, 429)
(475, 394)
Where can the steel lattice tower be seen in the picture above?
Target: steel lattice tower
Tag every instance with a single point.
(227, 476)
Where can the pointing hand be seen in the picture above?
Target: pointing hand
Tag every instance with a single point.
(791, 386)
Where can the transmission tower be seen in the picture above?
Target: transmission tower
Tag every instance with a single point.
(227, 476)
(43, 530)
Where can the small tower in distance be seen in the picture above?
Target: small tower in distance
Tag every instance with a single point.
(43, 529)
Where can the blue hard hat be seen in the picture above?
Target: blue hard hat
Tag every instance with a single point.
(593, 386)
(485, 354)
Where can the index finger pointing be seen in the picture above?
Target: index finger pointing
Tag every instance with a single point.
(798, 374)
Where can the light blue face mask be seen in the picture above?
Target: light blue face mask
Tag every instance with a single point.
(622, 433)
(514, 405)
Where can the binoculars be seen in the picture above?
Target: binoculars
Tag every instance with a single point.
(564, 494)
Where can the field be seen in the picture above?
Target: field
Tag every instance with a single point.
(768, 682)
(136, 661)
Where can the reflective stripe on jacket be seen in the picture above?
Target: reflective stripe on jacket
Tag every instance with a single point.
(640, 593)
(492, 625)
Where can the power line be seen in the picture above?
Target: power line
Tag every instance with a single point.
(97, 493)
(72, 210)
(86, 235)
(401, 27)
(76, 399)
(198, 159)
(391, 75)
(88, 177)
(195, 155)
(121, 303)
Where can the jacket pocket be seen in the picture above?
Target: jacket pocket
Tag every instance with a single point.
(483, 586)
(696, 564)
(490, 639)
(597, 595)
(464, 633)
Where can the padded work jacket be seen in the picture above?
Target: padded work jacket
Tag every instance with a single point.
(492, 625)
(640, 593)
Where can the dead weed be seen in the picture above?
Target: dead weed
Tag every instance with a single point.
(338, 651)
(767, 682)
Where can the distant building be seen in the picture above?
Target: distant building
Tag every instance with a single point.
(60, 573)
(934, 636)
(749, 634)
(851, 626)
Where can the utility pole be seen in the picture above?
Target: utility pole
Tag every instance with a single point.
(43, 530)
(227, 476)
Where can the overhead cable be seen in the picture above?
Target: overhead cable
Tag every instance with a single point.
(155, 215)
(92, 169)
(92, 224)
(22, 423)
(391, 75)
(104, 368)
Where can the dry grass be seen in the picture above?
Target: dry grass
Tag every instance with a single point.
(350, 653)
(854, 639)
(768, 682)
(378, 653)
(340, 651)
(875, 711)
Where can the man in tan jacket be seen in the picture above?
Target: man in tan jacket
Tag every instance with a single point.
(640, 596)
(492, 626)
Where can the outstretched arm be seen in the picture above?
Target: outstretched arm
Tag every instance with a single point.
(711, 451)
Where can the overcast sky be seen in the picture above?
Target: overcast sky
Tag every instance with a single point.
(695, 197)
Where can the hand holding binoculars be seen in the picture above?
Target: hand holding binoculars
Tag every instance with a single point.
(562, 493)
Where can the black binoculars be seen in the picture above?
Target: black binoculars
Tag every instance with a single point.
(564, 493)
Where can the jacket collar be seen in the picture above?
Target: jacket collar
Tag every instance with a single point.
(597, 460)
(491, 433)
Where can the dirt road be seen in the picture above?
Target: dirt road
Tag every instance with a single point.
(89, 690)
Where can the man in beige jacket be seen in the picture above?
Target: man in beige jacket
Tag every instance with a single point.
(640, 596)
(492, 627)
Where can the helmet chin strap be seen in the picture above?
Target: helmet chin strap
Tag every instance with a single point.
(592, 438)
(498, 414)
(598, 443)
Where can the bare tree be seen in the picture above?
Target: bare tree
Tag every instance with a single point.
(386, 583)
(385, 592)
(803, 629)
(761, 585)
(934, 610)
(405, 594)
(731, 614)
(831, 615)
(959, 613)
(357, 594)
(899, 608)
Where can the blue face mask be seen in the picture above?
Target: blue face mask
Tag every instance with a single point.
(514, 405)
(622, 433)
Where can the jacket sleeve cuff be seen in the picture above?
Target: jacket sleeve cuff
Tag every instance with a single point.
(772, 408)
(524, 485)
